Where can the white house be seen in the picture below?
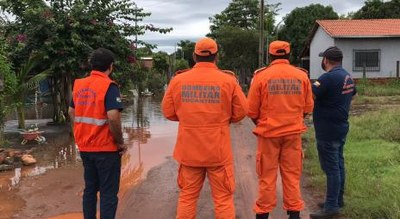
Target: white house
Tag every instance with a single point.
(370, 44)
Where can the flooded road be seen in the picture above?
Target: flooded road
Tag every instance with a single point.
(149, 137)
(53, 188)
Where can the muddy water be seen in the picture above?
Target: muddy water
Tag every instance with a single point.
(149, 137)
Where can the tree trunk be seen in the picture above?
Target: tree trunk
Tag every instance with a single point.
(65, 96)
(69, 94)
(2, 119)
(2, 138)
(54, 98)
(56, 101)
(21, 115)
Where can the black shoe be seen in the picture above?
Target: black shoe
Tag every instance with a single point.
(322, 205)
(262, 216)
(324, 214)
(294, 214)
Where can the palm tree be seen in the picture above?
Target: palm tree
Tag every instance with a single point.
(27, 82)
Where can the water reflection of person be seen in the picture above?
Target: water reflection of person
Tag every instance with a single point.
(96, 112)
(205, 100)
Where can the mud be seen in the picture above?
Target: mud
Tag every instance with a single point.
(51, 193)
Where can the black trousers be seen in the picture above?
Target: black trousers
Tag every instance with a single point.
(102, 172)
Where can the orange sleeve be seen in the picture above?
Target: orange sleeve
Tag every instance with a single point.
(254, 100)
(239, 104)
(167, 104)
(308, 108)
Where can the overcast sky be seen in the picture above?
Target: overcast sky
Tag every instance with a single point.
(189, 18)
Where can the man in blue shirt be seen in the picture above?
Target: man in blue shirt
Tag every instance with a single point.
(333, 93)
(95, 111)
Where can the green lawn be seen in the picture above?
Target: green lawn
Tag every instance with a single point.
(372, 154)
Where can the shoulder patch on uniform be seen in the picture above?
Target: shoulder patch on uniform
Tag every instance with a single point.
(229, 72)
(182, 71)
(260, 70)
(302, 69)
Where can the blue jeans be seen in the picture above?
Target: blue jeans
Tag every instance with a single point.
(332, 163)
(102, 173)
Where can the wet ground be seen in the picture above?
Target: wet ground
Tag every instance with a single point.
(53, 188)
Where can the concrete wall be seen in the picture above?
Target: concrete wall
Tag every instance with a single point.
(389, 52)
(389, 47)
(320, 43)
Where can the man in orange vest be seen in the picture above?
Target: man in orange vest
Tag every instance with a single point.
(279, 98)
(205, 100)
(96, 112)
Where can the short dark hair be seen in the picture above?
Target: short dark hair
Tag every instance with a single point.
(274, 57)
(210, 58)
(335, 62)
(101, 59)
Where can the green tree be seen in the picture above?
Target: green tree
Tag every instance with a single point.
(161, 64)
(7, 85)
(379, 9)
(244, 14)
(236, 31)
(298, 24)
(186, 51)
(156, 82)
(181, 64)
(239, 51)
(66, 31)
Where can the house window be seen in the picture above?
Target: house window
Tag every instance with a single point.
(370, 59)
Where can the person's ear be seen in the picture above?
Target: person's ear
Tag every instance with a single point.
(194, 57)
(216, 58)
(111, 67)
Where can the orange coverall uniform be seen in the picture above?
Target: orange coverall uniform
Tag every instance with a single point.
(279, 97)
(205, 100)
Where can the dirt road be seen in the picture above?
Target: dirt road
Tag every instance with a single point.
(57, 193)
(156, 197)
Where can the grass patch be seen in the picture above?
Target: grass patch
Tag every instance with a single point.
(372, 155)
(378, 100)
(371, 88)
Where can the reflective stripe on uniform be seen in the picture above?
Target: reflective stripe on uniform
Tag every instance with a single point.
(91, 121)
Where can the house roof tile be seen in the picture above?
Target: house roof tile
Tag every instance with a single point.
(361, 28)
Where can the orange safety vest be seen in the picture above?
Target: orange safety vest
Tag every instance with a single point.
(205, 100)
(91, 129)
(279, 96)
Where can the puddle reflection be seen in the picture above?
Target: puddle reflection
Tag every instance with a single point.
(149, 137)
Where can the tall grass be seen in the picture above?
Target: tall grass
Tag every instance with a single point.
(372, 88)
(372, 154)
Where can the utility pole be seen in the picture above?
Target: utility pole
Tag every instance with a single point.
(261, 51)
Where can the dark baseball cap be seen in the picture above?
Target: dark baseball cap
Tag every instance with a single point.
(332, 53)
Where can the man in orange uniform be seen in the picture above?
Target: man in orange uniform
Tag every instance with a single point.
(95, 111)
(205, 100)
(280, 96)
